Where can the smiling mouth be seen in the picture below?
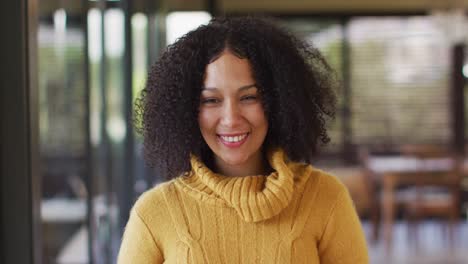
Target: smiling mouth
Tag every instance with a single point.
(233, 141)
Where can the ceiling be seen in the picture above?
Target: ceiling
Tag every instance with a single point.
(274, 6)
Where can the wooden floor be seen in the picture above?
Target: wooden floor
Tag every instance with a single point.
(432, 247)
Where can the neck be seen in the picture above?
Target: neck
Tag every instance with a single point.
(256, 165)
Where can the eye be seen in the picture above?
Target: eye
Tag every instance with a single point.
(209, 101)
(249, 98)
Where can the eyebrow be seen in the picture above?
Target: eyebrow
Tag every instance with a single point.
(242, 88)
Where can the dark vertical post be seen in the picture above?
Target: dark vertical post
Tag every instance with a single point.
(151, 39)
(88, 175)
(346, 108)
(20, 193)
(32, 70)
(212, 7)
(126, 192)
(153, 46)
(457, 96)
(154, 38)
(104, 155)
(153, 43)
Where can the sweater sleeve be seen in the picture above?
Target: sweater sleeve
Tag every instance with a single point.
(343, 239)
(138, 244)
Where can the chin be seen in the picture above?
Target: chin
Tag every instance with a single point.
(234, 160)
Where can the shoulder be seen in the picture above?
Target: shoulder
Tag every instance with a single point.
(326, 190)
(329, 200)
(329, 183)
(153, 202)
(321, 182)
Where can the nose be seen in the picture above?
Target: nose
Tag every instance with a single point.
(231, 115)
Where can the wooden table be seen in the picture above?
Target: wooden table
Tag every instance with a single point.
(392, 172)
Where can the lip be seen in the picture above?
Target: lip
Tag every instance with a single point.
(233, 144)
(232, 134)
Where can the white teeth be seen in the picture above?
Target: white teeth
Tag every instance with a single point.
(234, 139)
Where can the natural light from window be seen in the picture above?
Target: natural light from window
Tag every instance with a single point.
(179, 23)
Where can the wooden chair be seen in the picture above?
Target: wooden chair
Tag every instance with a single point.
(435, 198)
(410, 197)
(374, 190)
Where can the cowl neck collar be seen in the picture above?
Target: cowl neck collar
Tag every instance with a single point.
(255, 198)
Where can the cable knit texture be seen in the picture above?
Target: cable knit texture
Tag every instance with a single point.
(297, 214)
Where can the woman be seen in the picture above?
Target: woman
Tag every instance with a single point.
(232, 113)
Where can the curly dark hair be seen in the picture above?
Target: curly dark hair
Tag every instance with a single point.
(295, 82)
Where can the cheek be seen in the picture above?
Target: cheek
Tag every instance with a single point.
(206, 120)
(258, 117)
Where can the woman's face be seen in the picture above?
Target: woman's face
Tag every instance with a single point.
(231, 117)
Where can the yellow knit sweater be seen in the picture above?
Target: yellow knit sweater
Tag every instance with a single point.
(297, 214)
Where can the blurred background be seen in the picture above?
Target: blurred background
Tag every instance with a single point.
(73, 161)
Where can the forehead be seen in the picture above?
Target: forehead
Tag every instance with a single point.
(228, 70)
